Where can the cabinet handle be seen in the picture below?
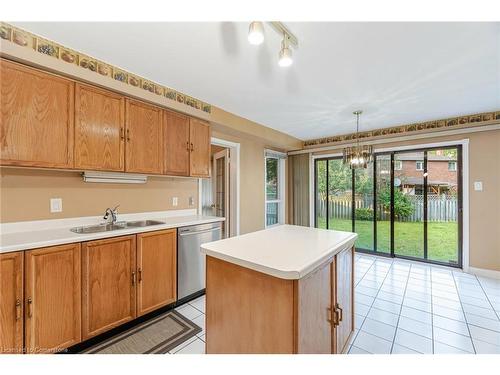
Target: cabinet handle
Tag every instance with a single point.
(18, 309)
(122, 134)
(340, 309)
(128, 135)
(140, 274)
(187, 145)
(133, 278)
(30, 302)
(192, 147)
(333, 317)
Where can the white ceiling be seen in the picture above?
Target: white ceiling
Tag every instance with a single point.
(398, 73)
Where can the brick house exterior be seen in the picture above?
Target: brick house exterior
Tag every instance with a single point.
(442, 172)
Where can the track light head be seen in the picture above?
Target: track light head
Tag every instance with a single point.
(256, 33)
(285, 55)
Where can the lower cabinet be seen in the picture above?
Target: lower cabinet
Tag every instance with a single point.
(156, 263)
(109, 278)
(344, 301)
(11, 303)
(52, 298)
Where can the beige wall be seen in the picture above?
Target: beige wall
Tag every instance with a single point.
(25, 195)
(484, 206)
(252, 171)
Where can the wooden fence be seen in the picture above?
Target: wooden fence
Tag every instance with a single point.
(439, 208)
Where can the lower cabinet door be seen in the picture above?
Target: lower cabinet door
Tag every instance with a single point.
(315, 296)
(109, 284)
(53, 298)
(156, 270)
(344, 298)
(11, 303)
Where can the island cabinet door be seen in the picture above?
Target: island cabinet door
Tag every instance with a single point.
(144, 136)
(344, 305)
(156, 270)
(109, 284)
(99, 129)
(53, 298)
(36, 121)
(314, 312)
(11, 303)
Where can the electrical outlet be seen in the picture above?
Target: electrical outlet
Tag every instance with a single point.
(478, 185)
(55, 205)
(175, 201)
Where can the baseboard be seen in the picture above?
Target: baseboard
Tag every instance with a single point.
(484, 272)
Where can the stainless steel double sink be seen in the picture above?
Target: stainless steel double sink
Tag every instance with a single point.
(115, 226)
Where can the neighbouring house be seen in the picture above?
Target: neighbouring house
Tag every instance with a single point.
(441, 168)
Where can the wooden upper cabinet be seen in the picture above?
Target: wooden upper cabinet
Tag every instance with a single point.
(199, 134)
(36, 122)
(53, 298)
(11, 303)
(99, 129)
(156, 270)
(176, 144)
(144, 135)
(108, 278)
(344, 297)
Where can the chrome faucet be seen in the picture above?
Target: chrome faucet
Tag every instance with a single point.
(113, 212)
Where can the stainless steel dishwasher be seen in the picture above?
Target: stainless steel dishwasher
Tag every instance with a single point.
(190, 260)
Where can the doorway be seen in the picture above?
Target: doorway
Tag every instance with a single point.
(219, 194)
(405, 204)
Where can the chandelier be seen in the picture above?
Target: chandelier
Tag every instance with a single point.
(358, 156)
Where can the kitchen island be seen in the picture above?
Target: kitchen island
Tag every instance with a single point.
(286, 289)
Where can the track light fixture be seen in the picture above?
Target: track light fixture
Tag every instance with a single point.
(285, 55)
(256, 33)
(256, 37)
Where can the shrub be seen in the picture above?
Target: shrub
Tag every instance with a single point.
(363, 214)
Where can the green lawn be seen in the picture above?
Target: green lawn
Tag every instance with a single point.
(408, 237)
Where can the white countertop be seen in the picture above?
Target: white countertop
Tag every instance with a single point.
(286, 251)
(31, 239)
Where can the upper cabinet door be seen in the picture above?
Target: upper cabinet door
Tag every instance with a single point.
(144, 134)
(199, 134)
(176, 144)
(36, 123)
(99, 130)
(53, 298)
(11, 302)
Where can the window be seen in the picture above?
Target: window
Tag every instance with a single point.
(420, 165)
(452, 166)
(398, 165)
(275, 188)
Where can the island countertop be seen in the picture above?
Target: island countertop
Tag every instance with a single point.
(285, 251)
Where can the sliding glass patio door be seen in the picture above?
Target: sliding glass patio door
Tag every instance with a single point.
(405, 204)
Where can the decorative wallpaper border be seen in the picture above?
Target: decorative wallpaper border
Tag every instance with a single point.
(26, 39)
(444, 123)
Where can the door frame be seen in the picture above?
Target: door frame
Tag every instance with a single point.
(464, 181)
(223, 154)
(234, 184)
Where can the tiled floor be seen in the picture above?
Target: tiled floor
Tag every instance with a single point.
(407, 307)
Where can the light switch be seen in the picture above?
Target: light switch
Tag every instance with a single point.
(55, 205)
(478, 185)
(175, 201)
